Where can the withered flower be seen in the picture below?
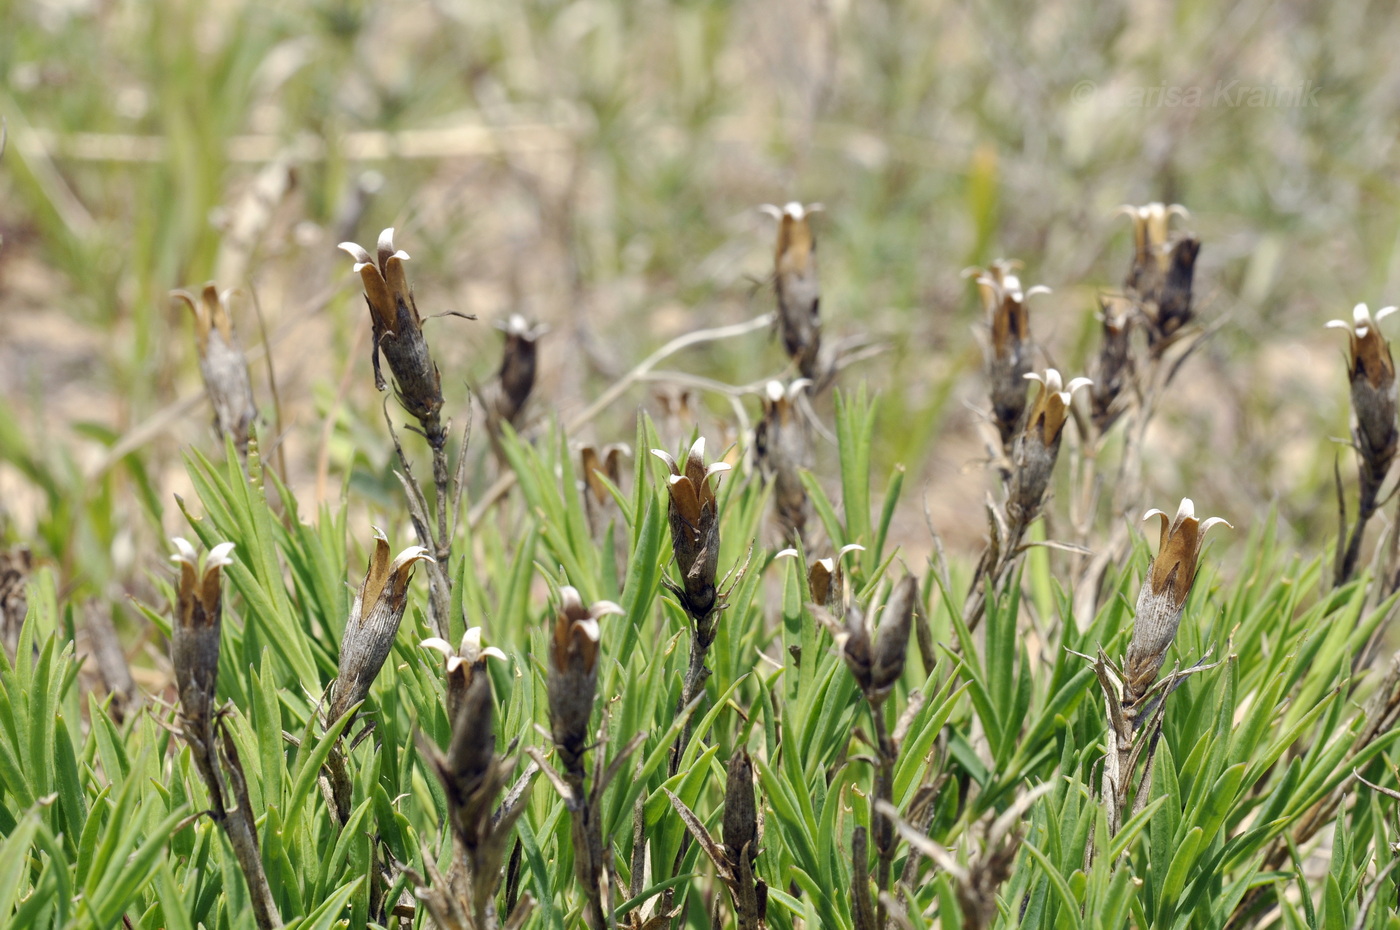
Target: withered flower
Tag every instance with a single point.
(573, 674)
(597, 464)
(1174, 302)
(518, 362)
(222, 364)
(1115, 360)
(1033, 456)
(1009, 355)
(782, 450)
(826, 581)
(462, 665)
(194, 647)
(797, 285)
(694, 517)
(398, 332)
(741, 836)
(1371, 371)
(877, 663)
(374, 622)
(1163, 597)
(1148, 270)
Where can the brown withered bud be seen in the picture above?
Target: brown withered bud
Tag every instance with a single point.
(853, 640)
(573, 674)
(462, 665)
(1151, 252)
(1010, 346)
(15, 566)
(892, 639)
(1174, 301)
(1033, 456)
(597, 464)
(222, 364)
(798, 287)
(518, 362)
(694, 517)
(398, 332)
(374, 622)
(741, 838)
(1162, 599)
(468, 775)
(782, 449)
(1371, 371)
(1114, 369)
(194, 646)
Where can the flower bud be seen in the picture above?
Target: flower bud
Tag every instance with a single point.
(1115, 360)
(1371, 371)
(222, 364)
(194, 647)
(518, 362)
(740, 823)
(374, 622)
(462, 665)
(892, 640)
(797, 285)
(694, 517)
(1033, 456)
(573, 674)
(1009, 355)
(1163, 597)
(782, 450)
(398, 332)
(1148, 271)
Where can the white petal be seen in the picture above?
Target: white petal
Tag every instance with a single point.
(606, 608)
(717, 468)
(771, 210)
(358, 253)
(798, 386)
(471, 641)
(1382, 313)
(1052, 381)
(1039, 289)
(1033, 376)
(219, 556)
(1360, 314)
(1186, 510)
(775, 391)
(849, 547)
(570, 597)
(666, 457)
(697, 451)
(409, 555)
(386, 241)
(1076, 384)
(786, 554)
(184, 552)
(441, 645)
(1207, 524)
(1154, 512)
(494, 653)
(590, 628)
(794, 210)
(1339, 324)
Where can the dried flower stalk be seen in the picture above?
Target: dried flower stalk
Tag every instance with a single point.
(222, 364)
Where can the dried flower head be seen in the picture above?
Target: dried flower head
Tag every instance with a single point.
(826, 581)
(1148, 270)
(222, 364)
(1371, 371)
(799, 290)
(782, 449)
(694, 517)
(876, 658)
(373, 623)
(398, 332)
(1033, 456)
(1174, 301)
(518, 362)
(462, 664)
(741, 834)
(1114, 369)
(1163, 597)
(194, 647)
(1010, 347)
(573, 673)
(599, 463)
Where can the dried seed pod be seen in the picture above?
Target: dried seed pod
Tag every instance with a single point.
(1174, 301)
(222, 364)
(1163, 597)
(1033, 456)
(1371, 371)
(1114, 369)
(782, 449)
(573, 674)
(467, 773)
(462, 665)
(798, 288)
(892, 639)
(1151, 252)
(374, 622)
(741, 836)
(694, 517)
(1010, 347)
(518, 361)
(398, 332)
(194, 646)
